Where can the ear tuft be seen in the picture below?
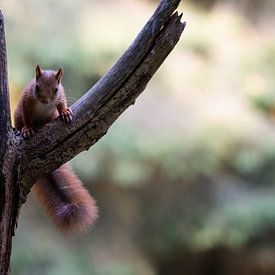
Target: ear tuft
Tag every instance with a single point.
(38, 71)
(59, 74)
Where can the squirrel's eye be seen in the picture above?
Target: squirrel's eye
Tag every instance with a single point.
(55, 90)
(36, 88)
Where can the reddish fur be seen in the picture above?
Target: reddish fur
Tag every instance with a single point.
(66, 200)
(61, 192)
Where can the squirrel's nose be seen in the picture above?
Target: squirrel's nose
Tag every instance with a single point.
(44, 101)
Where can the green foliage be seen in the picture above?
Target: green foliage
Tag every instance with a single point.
(238, 221)
(260, 87)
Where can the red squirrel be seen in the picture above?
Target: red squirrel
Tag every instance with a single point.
(60, 192)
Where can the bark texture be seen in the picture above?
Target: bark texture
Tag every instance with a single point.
(9, 148)
(23, 161)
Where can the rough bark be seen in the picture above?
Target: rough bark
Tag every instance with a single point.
(22, 161)
(9, 188)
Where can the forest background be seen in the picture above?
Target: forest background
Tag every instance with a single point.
(185, 179)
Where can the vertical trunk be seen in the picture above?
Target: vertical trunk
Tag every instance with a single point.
(9, 202)
(9, 197)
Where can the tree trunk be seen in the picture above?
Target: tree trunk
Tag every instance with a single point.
(9, 147)
(22, 161)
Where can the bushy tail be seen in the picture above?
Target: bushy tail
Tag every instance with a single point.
(66, 200)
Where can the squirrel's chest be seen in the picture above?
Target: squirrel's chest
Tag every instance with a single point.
(45, 112)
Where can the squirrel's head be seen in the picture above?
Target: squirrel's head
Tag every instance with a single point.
(47, 84)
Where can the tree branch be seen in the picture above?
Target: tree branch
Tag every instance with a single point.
(5, 117)
(94, 113)
(9, 148)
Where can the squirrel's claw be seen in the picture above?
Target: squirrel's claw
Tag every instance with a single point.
(27, 132)
(66, 115)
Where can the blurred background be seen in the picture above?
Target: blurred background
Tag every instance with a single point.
(185, 179)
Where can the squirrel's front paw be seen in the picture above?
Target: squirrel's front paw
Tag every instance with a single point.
(27, 132)
(66, 115)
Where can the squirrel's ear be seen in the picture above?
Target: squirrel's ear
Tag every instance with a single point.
(38, 71)
(59, 74)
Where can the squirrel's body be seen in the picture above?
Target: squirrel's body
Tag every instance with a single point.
(40, 112)
(61, 192)
(42, 100)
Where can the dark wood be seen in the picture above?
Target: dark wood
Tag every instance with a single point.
(5, 117)
(9, 148)
(23, 161)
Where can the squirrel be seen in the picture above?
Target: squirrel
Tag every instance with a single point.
(60, 192)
